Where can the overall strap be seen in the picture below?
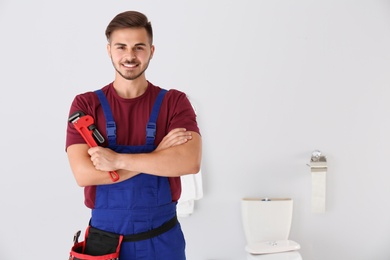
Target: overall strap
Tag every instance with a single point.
(110, 123)
(151, 126)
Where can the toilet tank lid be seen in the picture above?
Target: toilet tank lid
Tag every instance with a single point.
(269, 247)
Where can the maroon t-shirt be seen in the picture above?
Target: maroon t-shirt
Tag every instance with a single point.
(131, 117)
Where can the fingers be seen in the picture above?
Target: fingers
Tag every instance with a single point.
(175, 137)
(176, 131)
(102, 158)
(94, 156)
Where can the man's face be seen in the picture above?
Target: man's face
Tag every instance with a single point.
(130, 52)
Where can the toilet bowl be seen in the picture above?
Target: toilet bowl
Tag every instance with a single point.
(267, 224)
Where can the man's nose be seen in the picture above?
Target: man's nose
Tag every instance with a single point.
(131, 54)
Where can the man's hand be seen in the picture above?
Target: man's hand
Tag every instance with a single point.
(104, 159)
(175, 137)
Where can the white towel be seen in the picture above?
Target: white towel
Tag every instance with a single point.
(191, 190)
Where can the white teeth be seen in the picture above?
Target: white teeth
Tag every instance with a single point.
(130, 65)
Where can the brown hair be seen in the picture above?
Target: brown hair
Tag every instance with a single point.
(130, 19)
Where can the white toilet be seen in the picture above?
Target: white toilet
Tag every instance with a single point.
(267, 224)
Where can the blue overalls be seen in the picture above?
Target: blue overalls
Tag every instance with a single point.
(139, 204)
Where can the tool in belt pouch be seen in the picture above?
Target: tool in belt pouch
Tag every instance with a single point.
(97, 245)
(102, 245)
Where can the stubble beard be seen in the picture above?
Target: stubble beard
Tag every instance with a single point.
(130, 76)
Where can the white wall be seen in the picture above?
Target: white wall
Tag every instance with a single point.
(271, 80)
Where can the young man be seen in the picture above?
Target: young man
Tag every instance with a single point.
(151, 139)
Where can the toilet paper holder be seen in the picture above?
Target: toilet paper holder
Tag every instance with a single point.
(318, 162)
(318, 167)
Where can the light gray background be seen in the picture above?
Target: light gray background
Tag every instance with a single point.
(271, 81)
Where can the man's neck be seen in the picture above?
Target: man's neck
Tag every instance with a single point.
(130, 88)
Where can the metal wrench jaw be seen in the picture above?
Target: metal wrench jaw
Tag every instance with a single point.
(76, 116)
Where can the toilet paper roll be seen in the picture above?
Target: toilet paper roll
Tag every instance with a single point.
(318, 178)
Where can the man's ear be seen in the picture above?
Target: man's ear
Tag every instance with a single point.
(109, 49)
(152, 48)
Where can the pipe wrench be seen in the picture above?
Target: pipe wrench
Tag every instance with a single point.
(84, 124)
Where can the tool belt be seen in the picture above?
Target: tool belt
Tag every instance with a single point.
(103, 245)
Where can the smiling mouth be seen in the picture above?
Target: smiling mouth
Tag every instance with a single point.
(130, 65)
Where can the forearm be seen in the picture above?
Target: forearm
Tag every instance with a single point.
(85, 173)
(91, 176)
(174, 161)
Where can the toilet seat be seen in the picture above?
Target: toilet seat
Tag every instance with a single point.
(270, 247)
(292, 255)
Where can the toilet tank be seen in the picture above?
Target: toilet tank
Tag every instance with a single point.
(266, 219)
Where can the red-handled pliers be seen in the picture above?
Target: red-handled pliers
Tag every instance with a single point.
(84, 124)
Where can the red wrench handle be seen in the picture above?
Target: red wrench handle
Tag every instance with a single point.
(82, 126)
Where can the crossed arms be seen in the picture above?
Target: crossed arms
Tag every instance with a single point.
(179, 153)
